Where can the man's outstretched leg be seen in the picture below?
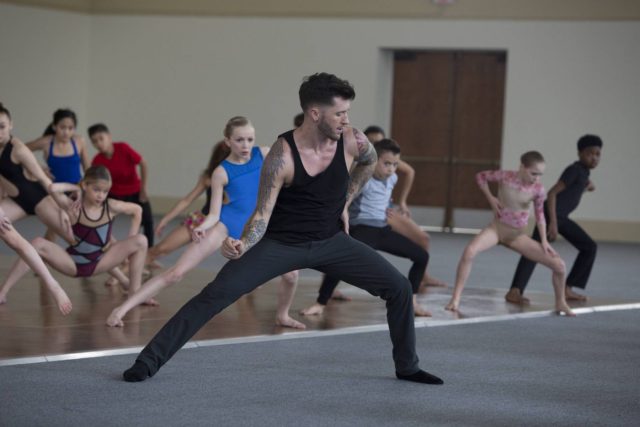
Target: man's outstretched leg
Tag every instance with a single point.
(262, 263)
(356, 263)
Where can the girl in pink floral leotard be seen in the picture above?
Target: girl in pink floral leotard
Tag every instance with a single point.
(517, 190)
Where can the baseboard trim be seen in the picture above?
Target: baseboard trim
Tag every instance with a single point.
(600, 230)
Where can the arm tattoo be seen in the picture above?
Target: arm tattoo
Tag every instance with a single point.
(273, 164)
(364, 165)
(366, 152)
(253, 232)
(359, 176)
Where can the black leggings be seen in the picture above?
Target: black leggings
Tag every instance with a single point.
(340, 256)
(386, 240)
(581, 270)
(147, 215)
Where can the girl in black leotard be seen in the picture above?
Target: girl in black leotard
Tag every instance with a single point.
(23, 196)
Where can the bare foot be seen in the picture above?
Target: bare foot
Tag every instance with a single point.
(154, 265)
(431, 281)
(312, 310)
(419, 311)
(111, 281)
(515, 297)
(151, 302)
(339, 296)
(452, 306)
(114, 319)
(63, 301)
(564, 309)
(289, 322)
(572, 296)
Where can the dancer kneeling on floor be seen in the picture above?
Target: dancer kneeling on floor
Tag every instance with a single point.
(517, 190)
(238, 175)
(92, 219)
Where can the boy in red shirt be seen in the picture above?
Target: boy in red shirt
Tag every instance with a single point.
(121, 160)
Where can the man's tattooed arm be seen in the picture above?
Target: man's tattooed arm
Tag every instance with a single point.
(271, 180)
(364, 166)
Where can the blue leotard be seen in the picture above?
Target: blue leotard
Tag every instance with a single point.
(242, 191)
(65, 168)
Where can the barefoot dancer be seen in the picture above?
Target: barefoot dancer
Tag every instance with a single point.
(399, 215)
(511, 208)
(181, 235)
(368, 223)
(238, 176)
(298, 223)
(25, 185)
(92, 217)
(563, 198)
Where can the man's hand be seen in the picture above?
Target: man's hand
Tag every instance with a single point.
(232, 248)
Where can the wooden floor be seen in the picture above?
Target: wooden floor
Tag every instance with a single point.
(30, 324)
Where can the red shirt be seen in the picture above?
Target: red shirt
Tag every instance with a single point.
(122, 166)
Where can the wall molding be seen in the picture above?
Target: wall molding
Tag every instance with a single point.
(397, 9)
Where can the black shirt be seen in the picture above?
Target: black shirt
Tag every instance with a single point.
(310, 208)
(575, 178)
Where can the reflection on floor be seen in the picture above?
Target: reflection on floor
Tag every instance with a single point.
(30, 324)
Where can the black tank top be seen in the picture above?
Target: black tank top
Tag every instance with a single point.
(31, 192)
(310, 208)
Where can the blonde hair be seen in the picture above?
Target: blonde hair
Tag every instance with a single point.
(235, 122)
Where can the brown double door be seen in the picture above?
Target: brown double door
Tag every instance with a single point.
(447, 117)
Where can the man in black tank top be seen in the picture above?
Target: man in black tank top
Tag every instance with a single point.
(300, 221)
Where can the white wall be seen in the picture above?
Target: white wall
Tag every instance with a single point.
(168, 85)
(44, 65)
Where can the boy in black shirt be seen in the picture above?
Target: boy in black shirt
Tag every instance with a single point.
(562, 199)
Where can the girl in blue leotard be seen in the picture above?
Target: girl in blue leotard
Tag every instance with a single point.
(238, 177)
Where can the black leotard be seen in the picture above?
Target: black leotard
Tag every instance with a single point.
(30, 193)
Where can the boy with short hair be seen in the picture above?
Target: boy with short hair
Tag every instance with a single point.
(562, 199)
(368, 223)
(121, 161)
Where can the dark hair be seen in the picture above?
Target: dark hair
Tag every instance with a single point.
(374, 129)
(385, 145)
(95, 173)
(219, 152)
(3, 110)
(321, 88)
(298, 119)
(588, 140)
(531, 157)
(97, 128)
(59, 115)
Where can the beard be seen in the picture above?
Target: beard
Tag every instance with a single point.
(327, 131)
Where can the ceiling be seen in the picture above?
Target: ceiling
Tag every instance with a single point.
(388, 9)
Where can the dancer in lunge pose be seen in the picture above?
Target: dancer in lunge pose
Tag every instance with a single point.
(368, 223)
(92, 217)
(237, 176)
(517, 190)
(399, 215)
(299, 220)
(562, 199)
(181, 235)
(24, 187)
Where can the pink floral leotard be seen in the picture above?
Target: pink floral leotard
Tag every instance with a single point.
(515, 197)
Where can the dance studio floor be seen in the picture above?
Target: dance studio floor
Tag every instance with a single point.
(34, 330)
